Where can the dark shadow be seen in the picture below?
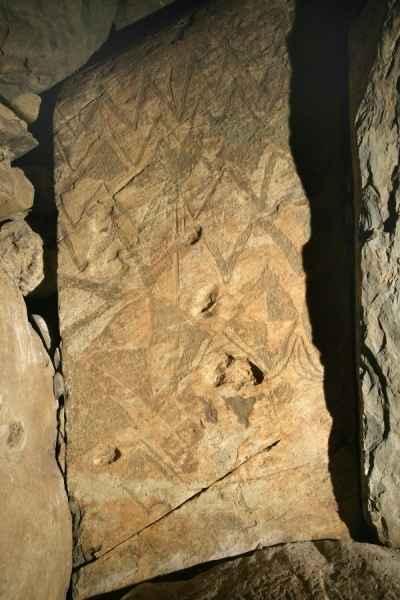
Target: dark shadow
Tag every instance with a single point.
(320, 143)
(38, 165)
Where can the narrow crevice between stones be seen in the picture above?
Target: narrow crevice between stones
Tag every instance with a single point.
(42, 303)
(321, 147)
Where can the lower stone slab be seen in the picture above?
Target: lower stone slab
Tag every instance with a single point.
(316, 570)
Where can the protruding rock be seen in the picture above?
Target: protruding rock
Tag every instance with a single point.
(27, 106)
(58, 386)
(35, 531)
(21, 255)
(225, 369)
(16, 192)
(15, 139)
(43, 330)
(57, 359)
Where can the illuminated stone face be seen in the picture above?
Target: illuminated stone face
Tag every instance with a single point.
(196, 419)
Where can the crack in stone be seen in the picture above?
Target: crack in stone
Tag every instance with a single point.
(186, 501)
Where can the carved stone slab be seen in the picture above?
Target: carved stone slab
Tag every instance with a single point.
(197, 422)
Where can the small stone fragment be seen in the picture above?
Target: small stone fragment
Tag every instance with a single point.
(21, 255)
(58, 386)
(43, 330)
(27, 106)
(57, 359)
(227, 370)
(16, 192)
(15, 139)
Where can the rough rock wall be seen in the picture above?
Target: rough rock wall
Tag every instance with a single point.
(35, 531)
(377, 139)
(197, 416)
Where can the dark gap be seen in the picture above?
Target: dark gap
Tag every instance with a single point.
(389, 225)
(38, 166)
(257, 373)
(321, 147)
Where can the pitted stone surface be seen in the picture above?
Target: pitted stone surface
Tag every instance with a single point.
(197, 423)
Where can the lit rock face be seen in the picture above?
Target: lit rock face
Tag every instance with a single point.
(15, 139)
(197, 423)
(35, 532)
(316, 570)
(16, 191)
(377, 138)
(21, 255)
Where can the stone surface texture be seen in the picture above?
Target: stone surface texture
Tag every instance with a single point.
(21, 255)
(15, 139)
(16, 192)
(317, 571)
(197, 423)
(35, 531)
(41, 43)
(44, 42)
(377, 139)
